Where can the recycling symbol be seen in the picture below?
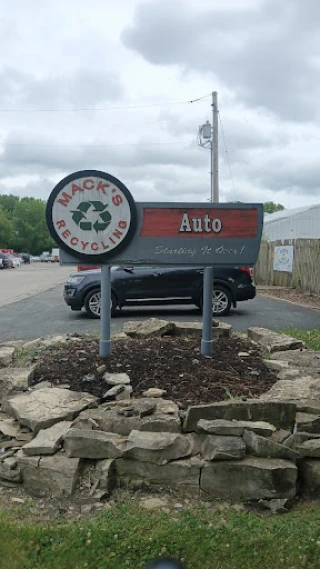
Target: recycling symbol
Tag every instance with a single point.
(103, 217)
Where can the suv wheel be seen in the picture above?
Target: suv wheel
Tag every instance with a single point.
(92, 303)
(221, 301)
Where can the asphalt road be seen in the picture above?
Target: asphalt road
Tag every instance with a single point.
(46, 313)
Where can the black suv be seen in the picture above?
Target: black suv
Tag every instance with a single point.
(6, 261)
(155, 286)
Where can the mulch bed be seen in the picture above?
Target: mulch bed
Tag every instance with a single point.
(173, 364)
(299, 297)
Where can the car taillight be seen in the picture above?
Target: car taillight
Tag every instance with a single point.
(247, 270)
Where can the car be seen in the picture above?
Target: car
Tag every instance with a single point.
(26, 258)
(15, 261)
(147, 286)
(6, 261)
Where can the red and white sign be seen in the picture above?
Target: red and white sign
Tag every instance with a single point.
(90, 214)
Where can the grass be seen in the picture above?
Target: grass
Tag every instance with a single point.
(128, 537)
(310, 337)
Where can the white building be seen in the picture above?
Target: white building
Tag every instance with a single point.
(298, 223)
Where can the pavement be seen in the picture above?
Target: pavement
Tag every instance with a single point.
(44, 313)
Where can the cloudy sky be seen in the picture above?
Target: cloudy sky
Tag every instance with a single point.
(107, 85)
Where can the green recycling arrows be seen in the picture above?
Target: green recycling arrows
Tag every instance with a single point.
(103, 216)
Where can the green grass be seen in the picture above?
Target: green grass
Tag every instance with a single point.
(310, 337)
(127, 537)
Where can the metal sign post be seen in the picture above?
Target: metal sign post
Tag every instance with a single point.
(105, 313)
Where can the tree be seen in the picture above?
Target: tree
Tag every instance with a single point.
(271, 207)
(6, 230)
(30, 227)
(8, 203)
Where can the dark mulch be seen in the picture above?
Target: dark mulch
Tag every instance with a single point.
(173, 364)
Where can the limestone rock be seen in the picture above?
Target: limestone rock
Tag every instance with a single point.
(6, 355)
(153, 503)
(259, 427)
(249, 479)
(280, 436)
(290, 373)
(223, 448)
(55, 476)
(297, 390)
(279, 414)
(9, 470)
(15, 379)
(220, 427)
(118, 393)
(183, 474)
(154, 392)
(138, 414)
(310, 477)
(43, 408)
(310, 448)
(267, 448)
(276, 505)
(10, 428)
(114, 379)
(194, 329)
(82, 443)
(273, 342)
(307, 422)
(47, 441)
(276, 365)
(106, 470)
(152, 328)
(119, 336)
(309, 359)
(159, 448)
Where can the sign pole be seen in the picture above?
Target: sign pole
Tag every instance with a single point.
(206, 342)
(105, 314)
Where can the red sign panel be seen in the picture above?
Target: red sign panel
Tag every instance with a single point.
(199, 223)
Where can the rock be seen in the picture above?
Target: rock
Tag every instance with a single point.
(106, 470)
(82, 443)
(15, 379)
(249, 479)
(194, 329)
(53, 340)
(139, 414)
(276, 365)
(88, 378)
(289, 373)
(267, 448)
(273, 342)
(154, 392)
(223, 448)
(118, 393)
(159, 448)
(183, 474)
(47, 441)
(9, 470)
(42, 385)
(114, 379)
(259, 427)
(220, 427)
(297, 390)
(119, 336)
(243, 354)
(280, 436)
(279, 414)
(306, 422)
(310, 477)
(55, 476)
(31, 344)
(43, 408)
(310, 448)
(6, 355)
(152, 328)
(309, 359)
(10, 428)
(310, 406)
(101, 369)
(276, 505)
(153, 503)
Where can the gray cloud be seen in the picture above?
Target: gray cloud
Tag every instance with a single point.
(267, 55)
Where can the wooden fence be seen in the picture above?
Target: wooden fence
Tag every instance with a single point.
(306, 265)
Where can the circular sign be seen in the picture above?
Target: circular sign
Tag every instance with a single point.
(91, 215)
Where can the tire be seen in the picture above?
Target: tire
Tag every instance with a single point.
(92, 303)
(221, 301)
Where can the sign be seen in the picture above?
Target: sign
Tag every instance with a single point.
(91, 215)
(191, 235)
(283, 259)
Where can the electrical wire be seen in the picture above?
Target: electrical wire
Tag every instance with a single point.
(95, 145)
(226, 151)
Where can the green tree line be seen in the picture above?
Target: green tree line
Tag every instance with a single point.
(23, 226)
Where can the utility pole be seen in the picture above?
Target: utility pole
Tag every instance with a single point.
(206, 134)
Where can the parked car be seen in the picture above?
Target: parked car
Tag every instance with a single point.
(6, 261)
(15, 261)
(158, 286)
(25, 257)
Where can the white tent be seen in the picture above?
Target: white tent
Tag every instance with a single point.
(298, 223)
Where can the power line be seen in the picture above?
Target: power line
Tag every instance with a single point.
(123, 108)
(226, 151)
(95, 145)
